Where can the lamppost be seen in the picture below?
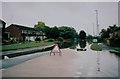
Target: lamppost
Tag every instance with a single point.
(93, 30)
(97, 34)
(97, 25)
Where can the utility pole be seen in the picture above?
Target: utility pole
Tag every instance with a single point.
(97, 25)
(93, 30)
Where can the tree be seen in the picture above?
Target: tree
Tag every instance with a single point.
(54, 33)
(114, 38)
(42, 27)
(82, 34)
(89, 38)
(47, 31)
(67, 32)
(104, 34)
(113, 28)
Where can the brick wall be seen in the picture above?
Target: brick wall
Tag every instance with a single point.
(14, 32)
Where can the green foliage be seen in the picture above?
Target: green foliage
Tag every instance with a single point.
(67, 32)
(89, 38)
(117, 49)
(104, 34)
(114, 39)
(25, 45)
(54, 33)
(50, 40)
(113, 28)
(37, 39)
(40, 26)
(12, 41)
(60, 39)
(47, 31)
(96, 47)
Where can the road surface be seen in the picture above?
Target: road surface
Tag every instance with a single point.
(72, 63)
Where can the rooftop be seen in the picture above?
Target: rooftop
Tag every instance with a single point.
(23, 27)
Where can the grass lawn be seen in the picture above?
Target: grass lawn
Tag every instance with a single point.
(25, 45)
(96, 47)
(117, 49)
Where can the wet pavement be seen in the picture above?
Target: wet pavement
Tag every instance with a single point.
(72, 63)
(6, 63)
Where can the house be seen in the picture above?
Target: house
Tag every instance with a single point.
(23, 33)
(2, 27)
(2, 30)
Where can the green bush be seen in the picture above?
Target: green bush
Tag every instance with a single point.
(96, 47)
(60, 39)
(12, 41)
(37, 39)
(50, 40)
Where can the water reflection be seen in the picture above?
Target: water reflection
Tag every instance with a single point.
(117, 54)
(81, 44)
(98, 62)
(67, 44)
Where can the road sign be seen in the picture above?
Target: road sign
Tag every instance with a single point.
(56, 49)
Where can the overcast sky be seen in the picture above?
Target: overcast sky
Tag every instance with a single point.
(80, 15)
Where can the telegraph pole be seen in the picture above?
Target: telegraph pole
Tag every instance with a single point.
(93, 30)
(97, 25)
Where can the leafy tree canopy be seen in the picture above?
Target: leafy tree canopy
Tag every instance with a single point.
(67, 32)
(40, 26)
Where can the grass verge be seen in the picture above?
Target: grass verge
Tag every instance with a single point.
(96, 47)
(25, 45)
(117, 49)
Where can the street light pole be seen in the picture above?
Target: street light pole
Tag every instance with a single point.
(97, 25)
(93, 30)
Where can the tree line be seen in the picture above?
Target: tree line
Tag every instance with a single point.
(62, 32)
(112, 33)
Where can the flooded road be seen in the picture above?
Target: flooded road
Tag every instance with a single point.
(97, 64)
(72, 63)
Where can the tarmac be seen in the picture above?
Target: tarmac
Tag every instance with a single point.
(46, 66)
(71, 63)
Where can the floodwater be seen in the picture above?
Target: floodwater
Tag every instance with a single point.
(99, 63)
(90, 63)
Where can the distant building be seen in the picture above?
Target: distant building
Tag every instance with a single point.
(2, 29)
(23, 33)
